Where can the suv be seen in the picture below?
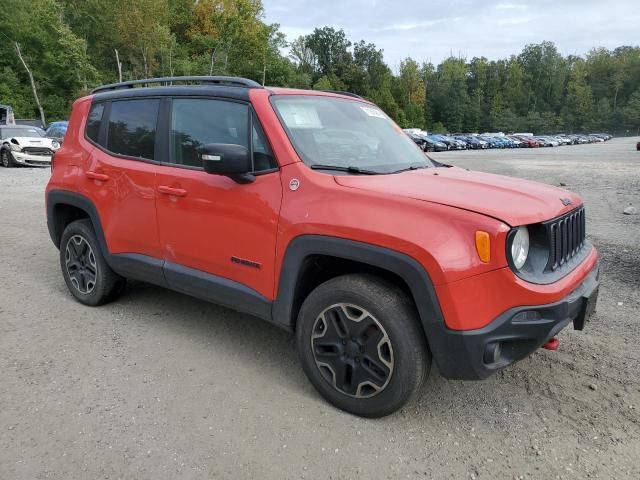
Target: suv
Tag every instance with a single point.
(315, 212)
(6, 115)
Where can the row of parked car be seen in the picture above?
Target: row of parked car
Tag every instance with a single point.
(431, 142)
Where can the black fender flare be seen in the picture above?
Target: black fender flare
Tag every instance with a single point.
(63, 197)
(404, 266)
(140, 267)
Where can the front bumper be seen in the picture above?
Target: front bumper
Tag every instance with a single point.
(515, 334)
(31, 160)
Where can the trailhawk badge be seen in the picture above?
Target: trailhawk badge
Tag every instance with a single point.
(294, 184)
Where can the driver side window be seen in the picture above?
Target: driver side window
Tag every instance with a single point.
(197, 122)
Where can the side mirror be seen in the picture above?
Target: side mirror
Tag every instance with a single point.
(230, 160)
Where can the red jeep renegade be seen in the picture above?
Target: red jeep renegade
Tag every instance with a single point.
(314, 211)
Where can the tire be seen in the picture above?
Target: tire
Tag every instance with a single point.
(6, 159)
(380, 364)
(87, 275)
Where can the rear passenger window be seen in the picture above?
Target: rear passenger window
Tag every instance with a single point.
(132, 127)
(94, 121)
(198, 122)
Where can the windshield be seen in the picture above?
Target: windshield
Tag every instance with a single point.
(21, 132)
(345, 133)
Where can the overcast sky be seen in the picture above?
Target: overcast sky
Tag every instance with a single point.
(434, 29)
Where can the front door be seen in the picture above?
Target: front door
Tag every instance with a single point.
(209, 223)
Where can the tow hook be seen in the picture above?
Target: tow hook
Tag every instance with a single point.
(552, 344)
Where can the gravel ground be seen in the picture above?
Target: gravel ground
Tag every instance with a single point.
(162, 386)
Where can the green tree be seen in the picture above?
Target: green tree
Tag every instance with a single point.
(58, 58)
(579, 110)
(544, 76)
(330, 49)
(71, 47)
(632, 113)
(324, 83)
(602, 115)
(143, 32)
(450, 95)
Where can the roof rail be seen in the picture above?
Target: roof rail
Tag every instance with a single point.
(348, 94)
(230, 81)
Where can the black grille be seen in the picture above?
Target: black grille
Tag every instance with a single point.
(37, 151)
(566, 237)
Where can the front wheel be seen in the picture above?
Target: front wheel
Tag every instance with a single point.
(361, 345)
(7, 159)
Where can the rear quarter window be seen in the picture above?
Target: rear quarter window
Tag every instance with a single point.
(94, 121)
(132, 128)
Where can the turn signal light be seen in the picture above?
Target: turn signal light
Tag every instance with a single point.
(483, 246)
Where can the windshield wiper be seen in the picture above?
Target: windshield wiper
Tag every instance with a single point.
(412, 167)
(349, 169)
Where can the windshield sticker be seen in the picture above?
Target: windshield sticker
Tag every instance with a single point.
(373, 112)
(300, 116)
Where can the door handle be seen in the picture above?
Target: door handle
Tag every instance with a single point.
(175, 192)
(97, 176)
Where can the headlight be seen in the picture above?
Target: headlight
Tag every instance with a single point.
(55, 145)
(15, 148)
(520, 247)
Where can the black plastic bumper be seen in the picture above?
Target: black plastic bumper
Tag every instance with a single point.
(514, 335)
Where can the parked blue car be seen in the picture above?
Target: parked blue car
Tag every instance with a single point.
(508, 143)
(57, 130)
(492, 141)
(471, 141)
(451, 143)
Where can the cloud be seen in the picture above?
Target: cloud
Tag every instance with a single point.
(405, 27)
(435, 29)
(509, 6)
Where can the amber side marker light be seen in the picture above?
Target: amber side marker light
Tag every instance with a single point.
(483, 246)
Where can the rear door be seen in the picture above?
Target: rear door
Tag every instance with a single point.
(209, 223)
(121, 173)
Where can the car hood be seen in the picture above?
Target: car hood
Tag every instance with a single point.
(33, 141)
(511, 200)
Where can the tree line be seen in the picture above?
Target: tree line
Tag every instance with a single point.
(69, 47)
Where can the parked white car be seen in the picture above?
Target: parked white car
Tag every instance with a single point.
(25, 145)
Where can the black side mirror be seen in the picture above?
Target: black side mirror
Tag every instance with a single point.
(230, 160)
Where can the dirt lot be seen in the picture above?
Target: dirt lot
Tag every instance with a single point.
(161, 386)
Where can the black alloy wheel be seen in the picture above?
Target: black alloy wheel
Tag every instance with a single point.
(361, 344)
(86, 272)
(352, 350)
(81, 265)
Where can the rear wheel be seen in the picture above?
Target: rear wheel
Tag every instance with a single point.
(361, 345)
(86, 273)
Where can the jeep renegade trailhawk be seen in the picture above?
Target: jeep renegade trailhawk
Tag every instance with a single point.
(314, 211)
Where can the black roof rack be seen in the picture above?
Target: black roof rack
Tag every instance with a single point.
(348, 94)
(229, 81)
